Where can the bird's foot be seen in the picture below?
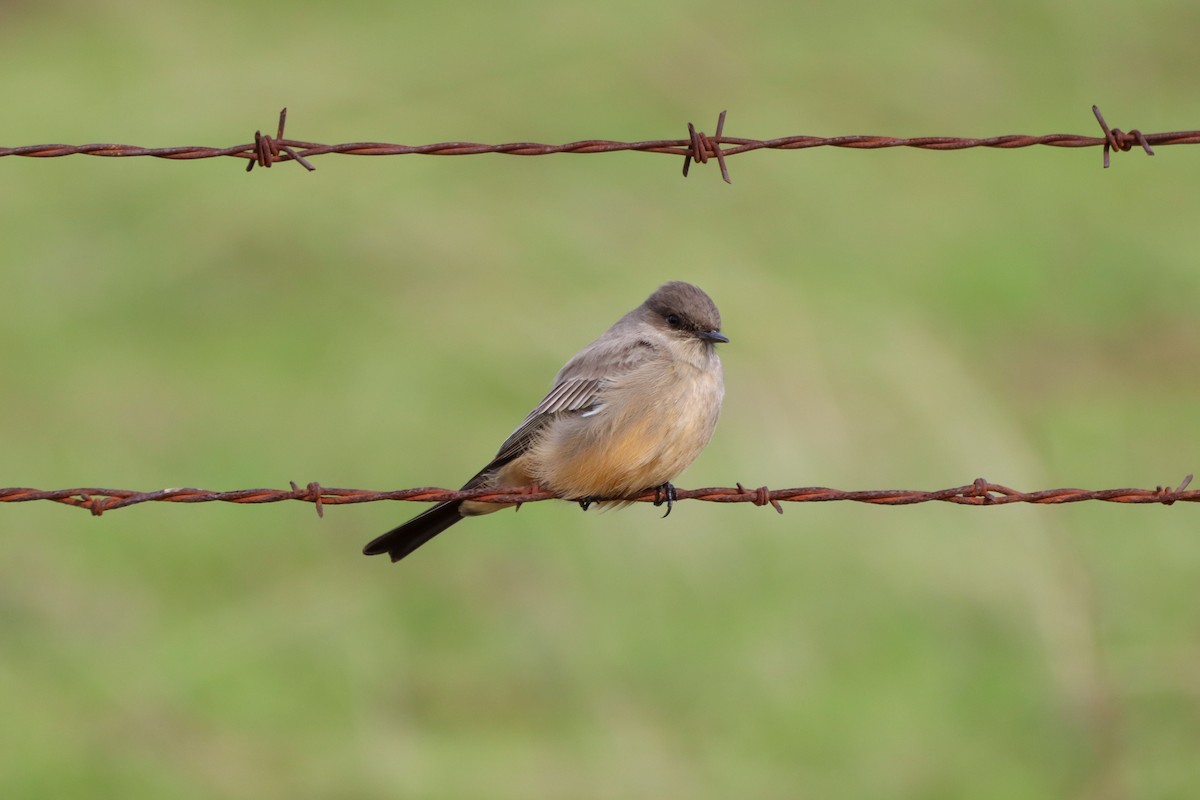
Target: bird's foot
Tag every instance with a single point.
(665, 494)
(585, 502)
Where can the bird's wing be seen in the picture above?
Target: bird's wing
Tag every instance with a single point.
(580, 385)
(571, 395)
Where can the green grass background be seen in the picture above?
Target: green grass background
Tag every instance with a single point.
(899, 319)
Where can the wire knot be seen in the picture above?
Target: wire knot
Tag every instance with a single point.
(267, 149)
(762, 497)
(701, 147)
(96, 504)
(1117, 139)
(982, 489)
(311, 493)
(1171, 495)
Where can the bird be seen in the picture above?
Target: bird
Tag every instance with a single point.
(626, 414)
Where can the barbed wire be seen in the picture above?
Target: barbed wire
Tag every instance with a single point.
(699, 147)
(979, 492)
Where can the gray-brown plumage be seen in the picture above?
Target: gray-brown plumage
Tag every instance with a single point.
(627, 413)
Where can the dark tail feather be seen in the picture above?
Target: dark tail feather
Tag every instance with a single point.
(399, 542)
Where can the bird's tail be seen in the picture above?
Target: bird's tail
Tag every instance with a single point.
(399, 542)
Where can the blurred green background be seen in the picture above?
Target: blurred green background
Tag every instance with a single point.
(899, 319)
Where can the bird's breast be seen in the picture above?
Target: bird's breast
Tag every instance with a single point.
(646, 427)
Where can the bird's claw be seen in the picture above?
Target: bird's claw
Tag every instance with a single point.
(585, 503)
(665, 494)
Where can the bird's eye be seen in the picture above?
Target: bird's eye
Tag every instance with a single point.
(673, 320)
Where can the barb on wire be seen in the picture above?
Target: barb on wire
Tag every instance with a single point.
(979, 492)
(266, 149)
(1117, 139)
(698, 147)
(701, 147)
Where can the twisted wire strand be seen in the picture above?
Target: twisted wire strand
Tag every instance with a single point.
(979, 492)
(698, 147)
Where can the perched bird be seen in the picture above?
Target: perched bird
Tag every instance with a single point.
(627, 413)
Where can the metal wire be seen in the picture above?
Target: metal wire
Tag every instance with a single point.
(698, 147)
(980, 492)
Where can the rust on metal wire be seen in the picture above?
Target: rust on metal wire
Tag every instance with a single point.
(266, 149)
(698, 147)
(1117, 139)
(979, 492)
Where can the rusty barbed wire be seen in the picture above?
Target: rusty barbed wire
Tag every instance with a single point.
(979, 492)
(697, 147)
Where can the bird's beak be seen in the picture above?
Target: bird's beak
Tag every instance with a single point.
(713, 336)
